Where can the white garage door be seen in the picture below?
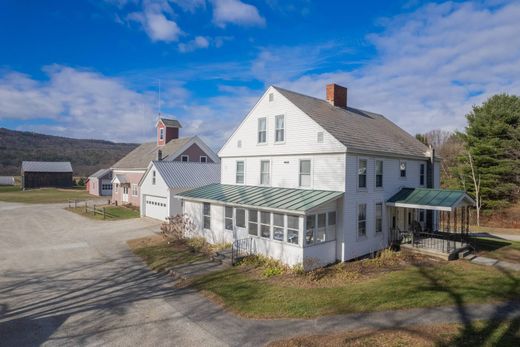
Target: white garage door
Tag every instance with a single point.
(156, 207)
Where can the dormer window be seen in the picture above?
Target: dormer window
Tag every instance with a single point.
(161, 134)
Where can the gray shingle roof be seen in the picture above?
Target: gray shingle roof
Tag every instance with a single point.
(171, 122)
(46, 166)
(100, 173)
(188, 175)
(357, 129)
(141, 156)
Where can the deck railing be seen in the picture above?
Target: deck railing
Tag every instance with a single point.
(440, 241)
(241, 248)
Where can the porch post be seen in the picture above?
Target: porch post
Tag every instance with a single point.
(455, 220)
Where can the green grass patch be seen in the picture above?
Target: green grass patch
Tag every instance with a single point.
(41, 196)
(111, 212)
(160, 255)
(414, 286)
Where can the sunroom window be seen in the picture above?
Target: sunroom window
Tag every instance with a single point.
(293, 229)
(331, 226)
(240, 218)
(265, 224)
(310, 226)
(322, 227)
(278, 226)
(229, 218)
(207, 215)
(253, 222)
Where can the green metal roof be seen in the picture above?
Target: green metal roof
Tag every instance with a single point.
(286, 199)
(430, 199)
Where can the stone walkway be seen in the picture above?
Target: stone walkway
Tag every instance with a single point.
(495, 262)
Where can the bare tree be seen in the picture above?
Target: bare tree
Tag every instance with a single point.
(476, 183)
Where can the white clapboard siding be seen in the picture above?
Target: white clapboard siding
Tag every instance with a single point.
(327, 171)
(301, 132)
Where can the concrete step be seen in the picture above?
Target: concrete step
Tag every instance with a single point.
(224, 256)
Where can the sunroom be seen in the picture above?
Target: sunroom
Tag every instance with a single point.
(287, 224)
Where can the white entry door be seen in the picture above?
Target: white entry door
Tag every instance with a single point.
(125, 194)
(156, 207)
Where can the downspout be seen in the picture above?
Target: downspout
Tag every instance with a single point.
(430, 172)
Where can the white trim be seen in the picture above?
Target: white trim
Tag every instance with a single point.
(310, 173)
(275, 129)
(185, 156)
(269, 174)
(258, 130)
(203, 156)
(203, 146)
(244, 173)
(137, 189)
(365, 188)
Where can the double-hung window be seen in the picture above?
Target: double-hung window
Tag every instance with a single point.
(240, 172)
(134, 190)
(379, 173)
(402, 168)
(153, 177)
(264, 172)
(305, 173)
(240, 217)
(265, 224)
(293, 229)
(421, 174)
(279, 133)
(262, 130)
(379, 217)
(362, 173)
(362, 220)
(207, 215)
(253, 222)
(229, 218)
(161, 134)
(278, 226)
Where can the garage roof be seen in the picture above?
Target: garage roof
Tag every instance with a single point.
(430, 199)
(46, 166)
(286, 199)
(178, 174)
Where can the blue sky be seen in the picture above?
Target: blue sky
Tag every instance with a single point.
(92, 69)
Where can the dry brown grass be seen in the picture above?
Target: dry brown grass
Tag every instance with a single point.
(453, 334)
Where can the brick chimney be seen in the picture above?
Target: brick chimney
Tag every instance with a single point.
(167, 130)
(337, 95)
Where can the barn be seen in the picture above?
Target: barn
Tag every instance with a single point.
(100, 183)
(38, 174)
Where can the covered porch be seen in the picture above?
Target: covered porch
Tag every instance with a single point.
(430, 221)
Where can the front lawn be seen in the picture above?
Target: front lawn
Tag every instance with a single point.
(112, 212)
(41, 196)
(498, 248)
(400, 282)
(481, 333)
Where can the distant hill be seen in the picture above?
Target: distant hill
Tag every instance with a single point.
(86, 156)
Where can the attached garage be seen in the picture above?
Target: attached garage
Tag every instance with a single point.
(156, 207)
(165, 179)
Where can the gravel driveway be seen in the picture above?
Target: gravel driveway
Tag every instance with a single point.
(69, 280)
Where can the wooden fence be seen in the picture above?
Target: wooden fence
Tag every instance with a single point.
(90, 209)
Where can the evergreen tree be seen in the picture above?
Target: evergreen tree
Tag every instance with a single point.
(493, 139)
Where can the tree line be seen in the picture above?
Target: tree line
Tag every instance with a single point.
(484, 159)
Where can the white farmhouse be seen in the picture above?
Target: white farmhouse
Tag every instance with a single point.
(310, 179)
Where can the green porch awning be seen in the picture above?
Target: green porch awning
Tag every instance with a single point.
(283, 199)
(430, 199)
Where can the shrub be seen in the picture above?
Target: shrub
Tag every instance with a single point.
(269, 266)
(175, 228)
(198, 245)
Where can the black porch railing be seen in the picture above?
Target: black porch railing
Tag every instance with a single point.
(441, 241)
(241, 248)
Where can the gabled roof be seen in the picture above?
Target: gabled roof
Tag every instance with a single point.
(46, 166)
(168, 122)
(358, 130)
(120, 179)
(100, 173)
(177, 174)
(283, 199)
(430, 199)
(141, 156)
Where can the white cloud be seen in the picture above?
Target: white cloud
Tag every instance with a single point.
(433, 65)
(153, 18)
(236, 12)
(190, 5)
(196, 43)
